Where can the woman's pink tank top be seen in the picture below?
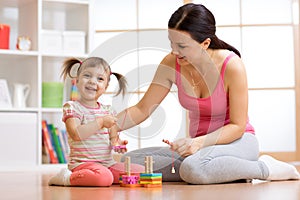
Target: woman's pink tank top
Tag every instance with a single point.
(207, 114)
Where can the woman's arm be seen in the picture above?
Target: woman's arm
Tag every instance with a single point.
(136, 114)
(237, 88)
(157, 91)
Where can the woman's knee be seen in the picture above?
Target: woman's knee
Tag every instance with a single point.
(193, 173)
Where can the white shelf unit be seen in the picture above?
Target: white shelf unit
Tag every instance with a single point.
(31, 18)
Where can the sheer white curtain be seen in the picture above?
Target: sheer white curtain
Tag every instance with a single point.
(263, 32)
(136, 54)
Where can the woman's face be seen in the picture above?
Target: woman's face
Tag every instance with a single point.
(92, 83)
(186, 49)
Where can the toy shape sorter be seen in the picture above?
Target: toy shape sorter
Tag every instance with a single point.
(147, 179)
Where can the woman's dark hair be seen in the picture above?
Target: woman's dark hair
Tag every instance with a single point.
(69, 63)
(200, 23)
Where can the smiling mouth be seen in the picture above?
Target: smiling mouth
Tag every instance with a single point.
(90, 88)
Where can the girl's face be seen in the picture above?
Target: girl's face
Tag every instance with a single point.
(91, 84)
(184, 47)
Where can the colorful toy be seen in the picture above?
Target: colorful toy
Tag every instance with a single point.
(150, 179)
(129, 180)
(119, 147)
(167, 142)
(74, 91)
(147, 179)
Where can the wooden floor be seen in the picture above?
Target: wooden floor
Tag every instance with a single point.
(33, 186)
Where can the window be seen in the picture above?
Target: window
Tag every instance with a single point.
(134, 41)
(264, 32)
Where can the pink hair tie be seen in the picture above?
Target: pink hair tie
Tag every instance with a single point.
(111, 73)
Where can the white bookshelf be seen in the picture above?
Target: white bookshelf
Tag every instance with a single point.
(21, 137)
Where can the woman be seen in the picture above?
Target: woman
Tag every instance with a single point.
(212, 86)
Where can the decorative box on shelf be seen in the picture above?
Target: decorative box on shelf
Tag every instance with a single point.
(74, 42)
(51, 41)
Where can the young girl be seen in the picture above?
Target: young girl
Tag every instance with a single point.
(87, 123)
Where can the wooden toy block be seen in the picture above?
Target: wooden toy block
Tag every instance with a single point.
(152, 185)
(119, 147)
(130, 185)
(147, 179)
(133, 174)
(129, 180)
(150, 179)
(132, 179)
(149, 175)
(149, 164)
(150, 182)
(154, 178)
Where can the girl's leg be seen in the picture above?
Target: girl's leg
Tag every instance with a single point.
(163, 159)
(62, 178)
(226, 163)
(91, 174)
(119, 168)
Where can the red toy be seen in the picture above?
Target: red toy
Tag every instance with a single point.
(167, 142)
(119, 147)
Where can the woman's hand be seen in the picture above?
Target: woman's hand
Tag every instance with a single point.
(187, 146)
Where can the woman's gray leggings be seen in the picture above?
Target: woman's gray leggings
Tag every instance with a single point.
(214, 164)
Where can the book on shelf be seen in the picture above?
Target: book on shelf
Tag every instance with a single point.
(56, 145)
(63, 139)
(45, 154)
(47, 142)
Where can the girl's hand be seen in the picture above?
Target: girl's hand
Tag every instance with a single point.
(108, 121)
(119, 146)
(186, 146)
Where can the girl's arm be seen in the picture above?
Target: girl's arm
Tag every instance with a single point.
(78, 131)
